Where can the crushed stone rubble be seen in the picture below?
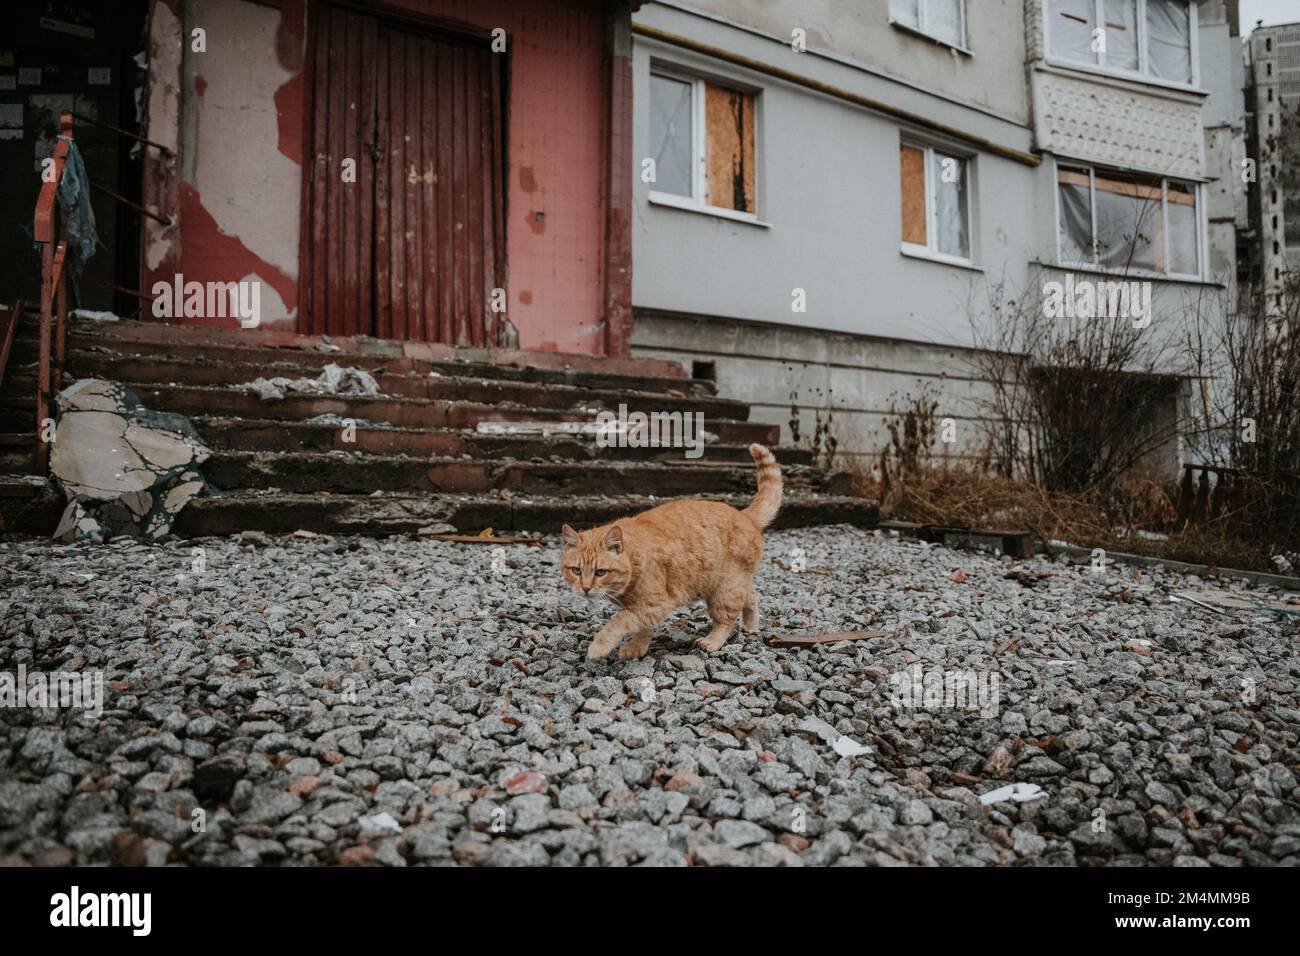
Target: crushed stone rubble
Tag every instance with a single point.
(310, 700)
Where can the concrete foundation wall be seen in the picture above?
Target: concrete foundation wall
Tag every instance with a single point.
(857, 377)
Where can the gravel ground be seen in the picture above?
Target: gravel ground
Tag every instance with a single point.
(310, 700)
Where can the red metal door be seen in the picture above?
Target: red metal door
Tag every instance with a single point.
(414, 246)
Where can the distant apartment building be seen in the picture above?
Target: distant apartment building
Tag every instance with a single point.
(1271, 237)
(829, 192)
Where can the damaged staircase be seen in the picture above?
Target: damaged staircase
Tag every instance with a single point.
(418, 456)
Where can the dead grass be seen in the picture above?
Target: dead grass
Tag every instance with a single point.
(971, 497)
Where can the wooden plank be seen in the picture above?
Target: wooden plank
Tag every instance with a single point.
(497, 187)
(383, 323)
(348, 127)
(476, 167)
(428, 205)
(912, 169)
(729, 147)
(317, 289)
(365, 184)
(810, 640)
(446, 138)
(455, 234)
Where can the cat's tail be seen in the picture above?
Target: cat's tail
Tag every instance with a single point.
(767, 502)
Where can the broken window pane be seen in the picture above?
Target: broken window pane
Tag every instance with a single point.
(1121, 34)
(1076, 215)
(670, 134)
(729, 138)
(950, 205)
(912, 161)
(1169, 49)
(1070, 26)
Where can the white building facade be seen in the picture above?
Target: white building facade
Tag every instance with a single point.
(828, 192)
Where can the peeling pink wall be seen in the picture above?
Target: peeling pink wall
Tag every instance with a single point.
(241, 138)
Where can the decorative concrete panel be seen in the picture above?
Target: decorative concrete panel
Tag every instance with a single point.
(1095, 120)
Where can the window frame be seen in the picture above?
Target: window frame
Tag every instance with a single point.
(1095, 265)
(963, 46)
(931, 250)
(1142, 74)
(699, 156)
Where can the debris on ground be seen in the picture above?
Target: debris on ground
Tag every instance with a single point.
(333, 380)
(294, 686)
(126, 470)
(808, 640)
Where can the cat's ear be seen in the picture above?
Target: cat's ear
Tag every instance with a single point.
(614, 540)
(571, 539)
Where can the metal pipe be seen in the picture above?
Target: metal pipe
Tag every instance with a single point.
(138, 208)
(166, 150)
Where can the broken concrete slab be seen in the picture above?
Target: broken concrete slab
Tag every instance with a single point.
(124, 469)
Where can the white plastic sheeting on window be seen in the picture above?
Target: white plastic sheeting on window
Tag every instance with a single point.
(670, 134)
(1140, 224)
(1070, 29)
(950, 206)
(1184, 227)
(1121, 34)
(1169, 51)
(1128, 223)
(943, 20)
(906, 12)
(1076, 215)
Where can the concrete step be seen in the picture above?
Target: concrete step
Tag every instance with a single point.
(246, 434)
(273, 358)
(398, 514)
(158, 333)
(358, 474)
(401, 412)
(160, 370)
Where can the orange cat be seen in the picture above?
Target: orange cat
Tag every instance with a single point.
(669, 556)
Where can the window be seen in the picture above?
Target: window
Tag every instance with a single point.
(702, 142)
(1120, 222)
(1151, 38)
(942, 20)
(936, 202)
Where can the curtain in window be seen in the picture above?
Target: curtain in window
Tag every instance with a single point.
(950, 205)
(670, 134)
(1128, 223)
(1121, 34)
(1070, 29)
(905, 12)
(1169, 40)
(1076, 215)
(943, 20)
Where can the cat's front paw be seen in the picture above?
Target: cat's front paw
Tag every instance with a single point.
(596, 651)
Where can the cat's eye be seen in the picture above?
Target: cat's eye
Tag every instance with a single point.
(600, 572)
(573, 569)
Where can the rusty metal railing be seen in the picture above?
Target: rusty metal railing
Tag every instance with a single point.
(50, 233)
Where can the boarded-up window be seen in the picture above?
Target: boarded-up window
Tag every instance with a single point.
(936, 204)
(729, 128)
(703, 139)
(913, 179)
